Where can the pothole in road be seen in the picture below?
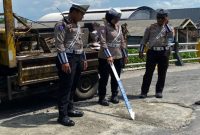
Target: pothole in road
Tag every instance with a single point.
(153, 112)
(158, 113)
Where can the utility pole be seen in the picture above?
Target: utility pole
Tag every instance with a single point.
(10, 51)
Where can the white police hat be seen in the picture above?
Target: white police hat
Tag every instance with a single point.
(81, 7)
(115, 12)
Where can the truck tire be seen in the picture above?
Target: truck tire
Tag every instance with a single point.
(87, 86)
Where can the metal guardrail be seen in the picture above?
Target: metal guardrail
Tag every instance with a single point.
(177, 52)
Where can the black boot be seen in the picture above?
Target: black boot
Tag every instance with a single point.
(114, 99)
(65, 121)
(103, 101)
(142, 96)
(159, 95)
(75, 113)
(197, 103)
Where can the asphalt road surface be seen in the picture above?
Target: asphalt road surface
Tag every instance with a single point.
(175, 114)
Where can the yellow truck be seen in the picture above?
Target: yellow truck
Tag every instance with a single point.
(27, 60)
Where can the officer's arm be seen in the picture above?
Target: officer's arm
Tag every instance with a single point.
(145, 39)
(83, 56)
(59, 42)
(84, 59)
(170, 34)
(103, 43)
(124, 47)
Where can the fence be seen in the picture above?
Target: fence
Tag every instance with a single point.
(175, 57)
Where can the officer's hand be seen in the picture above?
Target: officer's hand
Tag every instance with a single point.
(69, 26)
(125, 60)
(66, 68)
(166, 20)
(85, 65)
(141, 55)
(110, 60)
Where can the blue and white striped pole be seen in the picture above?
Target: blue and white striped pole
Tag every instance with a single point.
(128, 106)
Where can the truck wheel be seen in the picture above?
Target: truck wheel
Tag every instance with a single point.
(87, 86)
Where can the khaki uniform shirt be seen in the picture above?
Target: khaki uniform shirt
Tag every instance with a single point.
(156, 35)
(67, 40)
(106, 35)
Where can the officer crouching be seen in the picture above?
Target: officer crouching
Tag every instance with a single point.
(158, 38)
(69, 62)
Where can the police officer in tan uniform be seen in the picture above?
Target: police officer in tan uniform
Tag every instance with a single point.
(158, 37)
(113, 49)
(69, 61)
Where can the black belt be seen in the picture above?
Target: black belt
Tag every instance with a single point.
(74, 51)
(160, 48)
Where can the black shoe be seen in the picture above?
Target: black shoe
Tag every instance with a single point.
(197, 103)
(114, 99)
(75, 113)
(159, 95)
(104, 102)
(66, 121)
(143, 96)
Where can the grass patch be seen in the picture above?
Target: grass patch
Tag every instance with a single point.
(134, 59)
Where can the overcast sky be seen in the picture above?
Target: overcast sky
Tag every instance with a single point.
(34, 9)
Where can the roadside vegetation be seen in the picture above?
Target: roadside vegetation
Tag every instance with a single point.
(136, 59)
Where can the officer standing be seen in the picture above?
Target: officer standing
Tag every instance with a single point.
(69, 61)
(158, 37)
(112, 51)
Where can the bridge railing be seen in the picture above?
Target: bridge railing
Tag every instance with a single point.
(177, 50)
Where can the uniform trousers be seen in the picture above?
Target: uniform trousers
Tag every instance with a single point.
(161, 59)
(104, 71)
(68, 83)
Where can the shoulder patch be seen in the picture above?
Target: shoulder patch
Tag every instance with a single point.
(61, 27)
(102, 29)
